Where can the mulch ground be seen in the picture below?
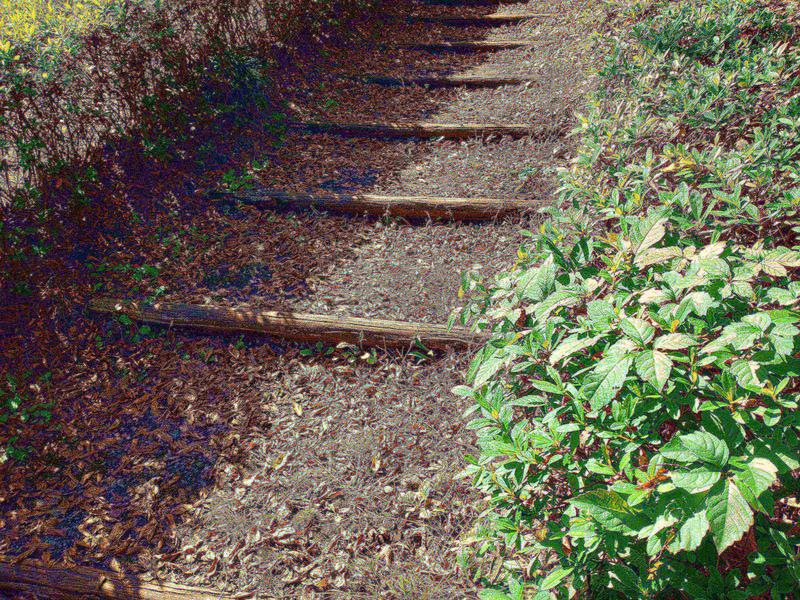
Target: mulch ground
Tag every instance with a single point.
(239, 463)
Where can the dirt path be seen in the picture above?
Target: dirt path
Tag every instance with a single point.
(353, 489)
(254, 465)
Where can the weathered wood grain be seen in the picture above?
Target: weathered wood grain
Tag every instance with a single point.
(296, 327)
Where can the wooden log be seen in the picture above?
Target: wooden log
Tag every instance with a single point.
(469, 2)
(490, 19)
(295, 327)
(421, 130)
(442, 81)
(409, 207)
(81, 582)
(471, 46)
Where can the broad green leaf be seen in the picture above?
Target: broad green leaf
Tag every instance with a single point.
(607, 378)
(745, 373)
(536, 283)
(674, 341)
(555, 577)
(609, 509)
(654, 367)
(639, 330)
(655, 256)
(700, 302)
(571, 345)
(488, 368)
(600, 313)
(698, 445)
(696, 480)
(648, 233)
(728, 513)
(654, 296)
(691, 533)
(564, 297)
(754, 479)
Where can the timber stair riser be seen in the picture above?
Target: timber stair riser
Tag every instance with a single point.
(468, 2)
(294, 327)
(460, 131)
(449, 81)
(491, 20)
(479, 46)
(80, 583)
(409, 207)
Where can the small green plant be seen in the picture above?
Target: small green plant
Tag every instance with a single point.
(319, 348)
(19, 412)
(235, 181)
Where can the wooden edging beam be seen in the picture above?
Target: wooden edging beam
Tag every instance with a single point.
(409, 207)
(469, 2)
(471, 46)
(421, 130)
(295, 327)
(490, 19)
(442, 81)
(82, 582)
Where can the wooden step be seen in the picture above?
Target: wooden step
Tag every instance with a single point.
(295, 327)
(421, 130)
(469, 2)
(474, 46)
(440, 81)
(490, 19)
(21, 580)
(409, 207)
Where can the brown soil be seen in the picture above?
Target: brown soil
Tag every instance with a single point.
(241, 463)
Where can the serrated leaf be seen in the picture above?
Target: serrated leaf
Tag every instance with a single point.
(535, 284)
(712, 250)
(653, 296)
(745, 373)
(655, 256)
(696, 480)
(609, 509)
(571, 345)
(674, 341)
(691, 533)
(654, 367)
(555, 577)
(487, 369)
(564, 297)
(600, 313)
(639, 330)
(729, 515)
(754, 479)
(607, 378)
(698, 445)
(649, 231)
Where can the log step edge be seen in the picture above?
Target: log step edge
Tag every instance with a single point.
(83, 582)
(421, 130)
(295, 327)
(490, 19)
(410, 207)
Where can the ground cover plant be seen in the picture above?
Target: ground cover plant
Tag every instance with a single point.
(636, 408)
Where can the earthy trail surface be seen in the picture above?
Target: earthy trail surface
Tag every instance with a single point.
(244, 464)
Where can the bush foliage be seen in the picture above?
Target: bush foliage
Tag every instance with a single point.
(74, 75)
(637, 405)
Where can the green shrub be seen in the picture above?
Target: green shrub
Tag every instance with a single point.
(637, 405)
(74, 76)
